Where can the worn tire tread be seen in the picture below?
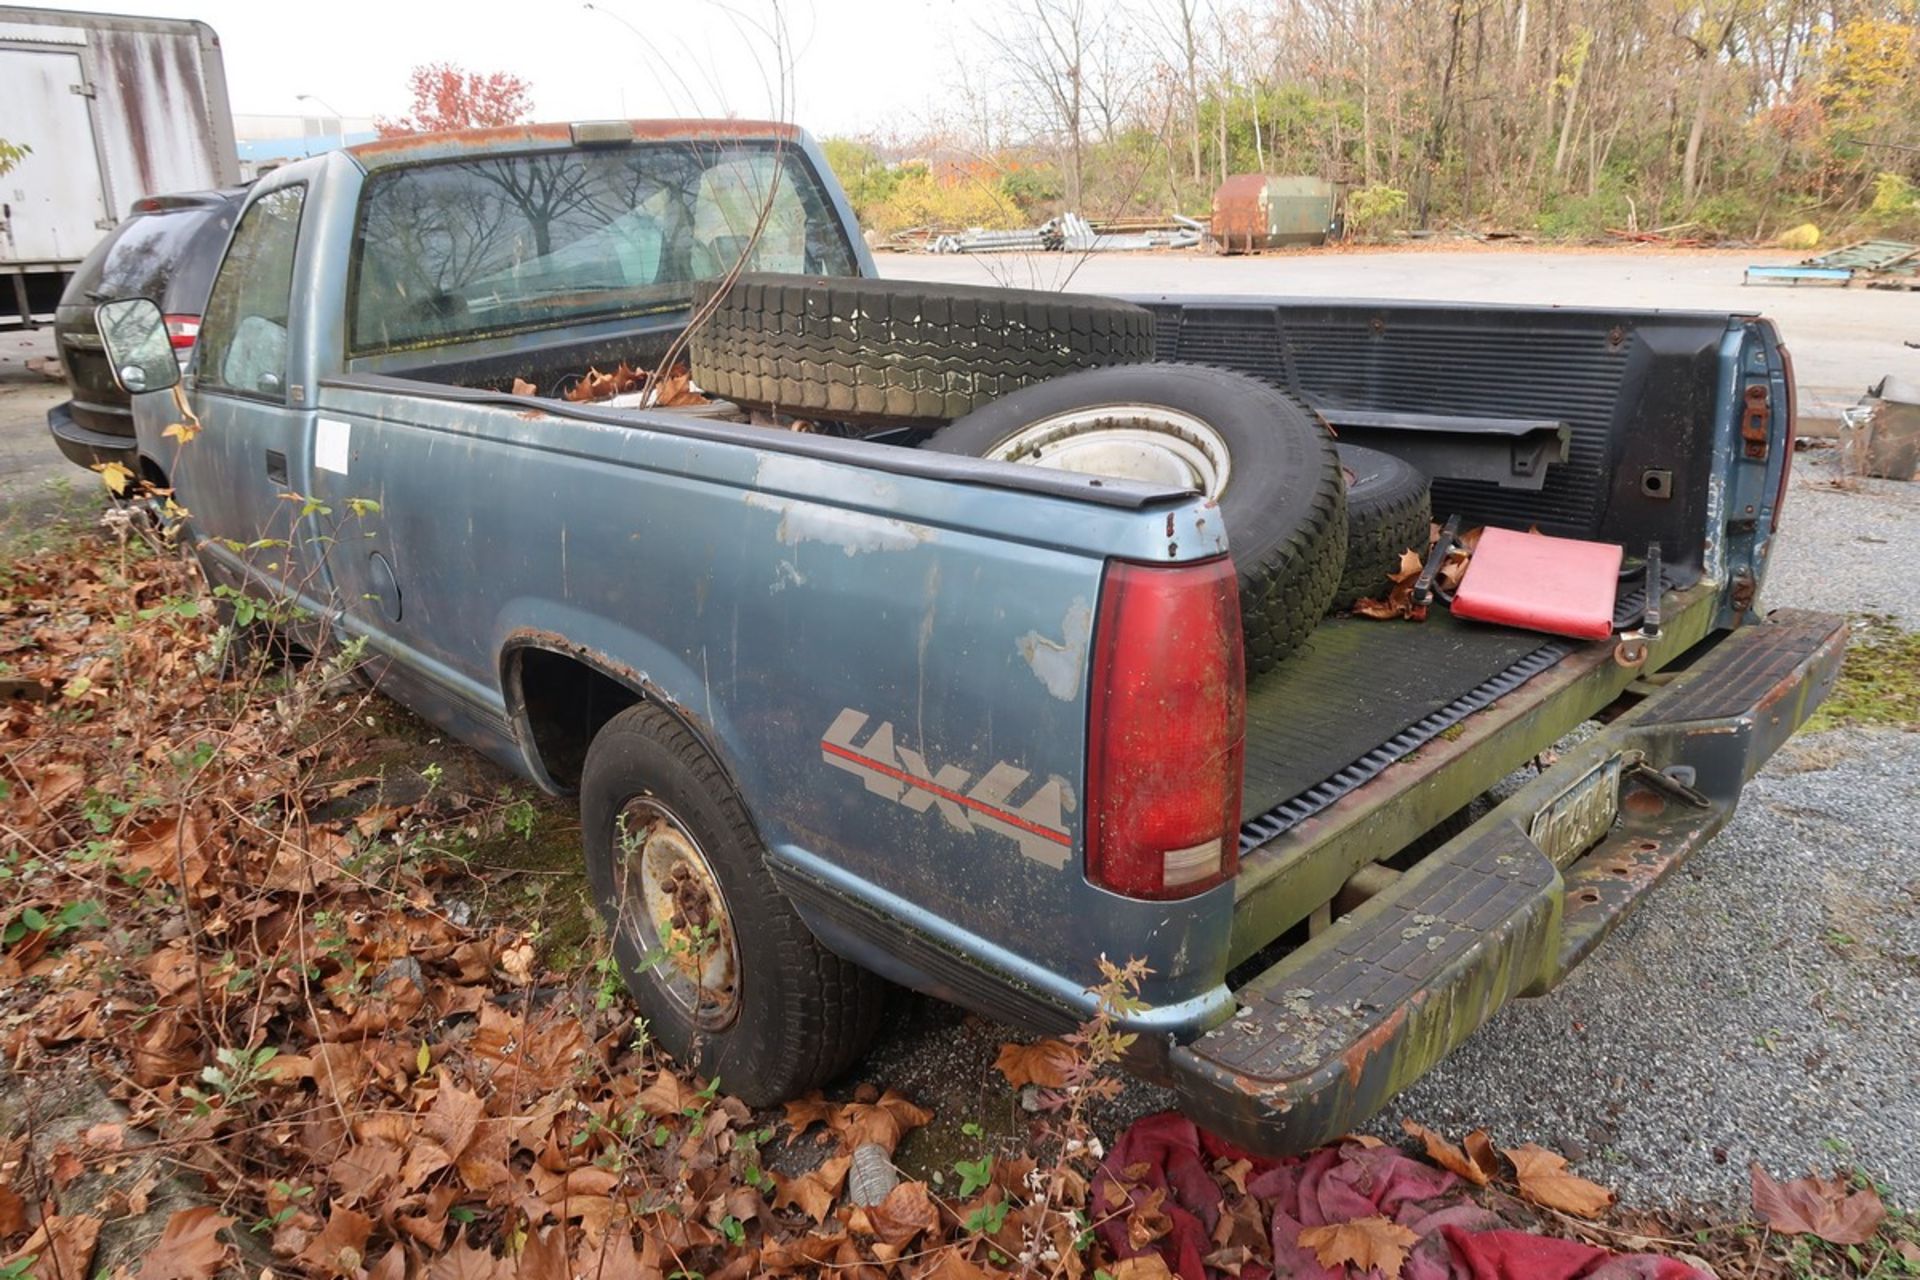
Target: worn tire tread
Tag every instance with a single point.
(863, 350)
(1382, 523)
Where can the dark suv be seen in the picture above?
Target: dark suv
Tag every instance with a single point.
(166, 250)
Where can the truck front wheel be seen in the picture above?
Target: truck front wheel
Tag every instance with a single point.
(729, 978)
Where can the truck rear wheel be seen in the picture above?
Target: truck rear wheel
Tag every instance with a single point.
(899, 351)
(1389, 512)
(1272, 469)
(729, 978)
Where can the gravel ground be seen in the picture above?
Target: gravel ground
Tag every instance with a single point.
(1847, 548)
(1763, 1005)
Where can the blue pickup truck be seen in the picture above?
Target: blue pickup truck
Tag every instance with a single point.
(958, 638)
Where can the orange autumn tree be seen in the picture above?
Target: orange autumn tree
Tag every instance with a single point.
(448, 96)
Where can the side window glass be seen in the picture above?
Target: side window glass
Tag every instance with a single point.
(243, 339)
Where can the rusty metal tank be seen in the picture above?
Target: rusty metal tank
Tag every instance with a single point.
(1255, 211)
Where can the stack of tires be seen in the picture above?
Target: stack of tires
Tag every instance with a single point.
(1065, 380)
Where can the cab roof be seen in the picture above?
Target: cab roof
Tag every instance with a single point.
(414, 148)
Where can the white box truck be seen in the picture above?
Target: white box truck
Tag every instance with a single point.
(111, 109)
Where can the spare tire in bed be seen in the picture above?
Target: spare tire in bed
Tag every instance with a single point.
(1272, 469)
(899, 351)
(1389, 512)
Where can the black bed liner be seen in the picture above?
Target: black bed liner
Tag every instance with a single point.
(1362, 694)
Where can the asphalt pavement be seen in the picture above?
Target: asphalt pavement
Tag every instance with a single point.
(35, 478)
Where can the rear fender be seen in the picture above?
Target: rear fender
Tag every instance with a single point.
(646, 669)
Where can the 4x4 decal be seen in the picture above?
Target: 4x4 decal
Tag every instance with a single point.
(901, 775)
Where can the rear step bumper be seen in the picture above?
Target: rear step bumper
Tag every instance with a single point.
(1323, 1038)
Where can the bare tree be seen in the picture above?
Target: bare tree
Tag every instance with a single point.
(1053, 53)
(1589, 110)
(1177, 30)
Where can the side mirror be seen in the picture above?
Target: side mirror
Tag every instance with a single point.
(138, 349)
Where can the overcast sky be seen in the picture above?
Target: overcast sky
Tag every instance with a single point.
(861, 65)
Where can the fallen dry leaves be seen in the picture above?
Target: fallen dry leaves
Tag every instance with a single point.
(1543, 1178)
(1826, 1207)
(1397, 600)
(1044, 1062)
(1364, 1243)
(1475, 1163)
(377, 1080)
(59, 1248)
(1540, 1175)
(189, 1247)
(675, 390)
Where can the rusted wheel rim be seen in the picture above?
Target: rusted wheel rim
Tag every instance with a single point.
(672, 909)
(1149, 443)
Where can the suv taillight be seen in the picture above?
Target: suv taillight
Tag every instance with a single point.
(183, 331)
(1167, 731)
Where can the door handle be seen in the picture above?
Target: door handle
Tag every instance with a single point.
(276, 466)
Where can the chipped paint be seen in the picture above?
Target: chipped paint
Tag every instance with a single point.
(1061, 664)
(854, 532)
(1382, 1036)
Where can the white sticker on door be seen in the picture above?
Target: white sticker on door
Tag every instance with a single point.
(331, 439)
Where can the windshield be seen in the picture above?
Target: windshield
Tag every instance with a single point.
(470, 248)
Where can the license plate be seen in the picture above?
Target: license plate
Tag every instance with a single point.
(1582, 814)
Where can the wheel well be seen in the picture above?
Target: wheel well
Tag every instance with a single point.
(565, 702)
(152, 472)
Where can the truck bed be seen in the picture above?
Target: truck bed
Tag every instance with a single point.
(1363, 694)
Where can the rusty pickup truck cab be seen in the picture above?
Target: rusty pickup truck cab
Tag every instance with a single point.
(839, 709)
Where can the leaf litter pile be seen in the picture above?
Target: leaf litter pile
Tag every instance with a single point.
(1397, 601)
(675, 389)
(354, 1072)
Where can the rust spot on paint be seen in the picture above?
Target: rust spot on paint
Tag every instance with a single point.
(1377, 1038)
(1642, 803)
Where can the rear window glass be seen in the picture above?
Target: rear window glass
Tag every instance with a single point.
(193, 274)
(145, 251)
(471, 248)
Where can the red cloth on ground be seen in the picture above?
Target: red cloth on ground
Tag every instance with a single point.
(1518, 1255)
(1168, 1145)
(1458, 1238)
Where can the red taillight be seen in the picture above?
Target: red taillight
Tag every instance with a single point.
(183, 331)
(1792, 410)
(1167, 730)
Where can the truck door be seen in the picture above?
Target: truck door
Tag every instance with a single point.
(53, 205)
(245, 477)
